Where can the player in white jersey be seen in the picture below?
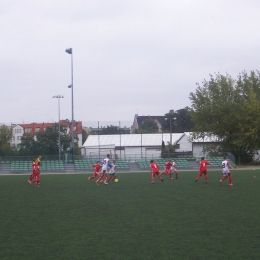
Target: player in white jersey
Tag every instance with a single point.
(105, 165)
(225, 171)
(112, 172)
(173, 169)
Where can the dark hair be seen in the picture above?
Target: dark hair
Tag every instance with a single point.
(202, 158)
(108, 155)
(224, 157)
(151, 161)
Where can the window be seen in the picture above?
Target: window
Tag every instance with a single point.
(37, 129)
(17, 131)
(18, 138)
(28, 130)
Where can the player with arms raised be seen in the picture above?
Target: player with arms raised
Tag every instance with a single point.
(203, 169)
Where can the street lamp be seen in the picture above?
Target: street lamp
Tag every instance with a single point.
(58, 97)
(69, 51)
(170, 116)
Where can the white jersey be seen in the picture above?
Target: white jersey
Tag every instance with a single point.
(113, 168)
(173, 168)
(225, 169)
(105, 164)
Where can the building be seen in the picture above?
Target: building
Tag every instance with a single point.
(143, 145)
(20, 129)
(138, 120)
(128, 145)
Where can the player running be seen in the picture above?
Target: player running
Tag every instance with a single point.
(36, 174)
(96, 167)
(225, 171)
(203, 169)
(33, 168)
(112, 172)
(167, 168)
(155, 170)
(105, 165)
(173, 169)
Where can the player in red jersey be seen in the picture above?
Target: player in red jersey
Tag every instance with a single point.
(155, 170)
(203, 169)
(167, 168)
(33, 167)
(96, 167)
(36, 174)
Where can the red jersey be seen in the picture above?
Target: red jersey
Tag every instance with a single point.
(203, 165)
(154, 167)
(33, 165)
(168, 165)
(97, 167)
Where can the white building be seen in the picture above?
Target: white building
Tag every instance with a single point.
(128, 145)
(142, 145)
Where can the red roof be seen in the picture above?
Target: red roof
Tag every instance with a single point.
(42, 126)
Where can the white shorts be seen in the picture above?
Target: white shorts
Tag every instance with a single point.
(225, 172)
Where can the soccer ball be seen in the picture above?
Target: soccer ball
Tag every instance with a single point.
(116, 180)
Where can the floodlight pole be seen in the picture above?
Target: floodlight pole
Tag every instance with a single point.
(58, 97)
(98, 143)
(69, 51)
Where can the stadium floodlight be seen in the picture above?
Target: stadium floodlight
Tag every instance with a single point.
(69, 51)
(58, 97)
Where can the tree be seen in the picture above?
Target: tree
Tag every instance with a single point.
(47, 142)
(181, 121)
(5, 138)
(230, 110)
(169, 123)
(148, 126)
(84, 135)
(109, 130)
(28, 145)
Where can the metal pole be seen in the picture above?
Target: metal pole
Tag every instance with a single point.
(59, 126)
(171, 130)
(72, 107)
(141, 145)
(98, 143)
(58, 97)
(69, 51)
(120, 139)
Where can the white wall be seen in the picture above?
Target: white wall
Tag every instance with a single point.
(185, 144)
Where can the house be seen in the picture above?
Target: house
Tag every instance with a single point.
(33, 128)
(138, 120)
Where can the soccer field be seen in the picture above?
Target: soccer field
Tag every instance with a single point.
(69, 217)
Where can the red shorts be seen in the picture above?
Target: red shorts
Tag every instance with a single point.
(203, 171)
(96, 173)
(37, 176)
(155, 173)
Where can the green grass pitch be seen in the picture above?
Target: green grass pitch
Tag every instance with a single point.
(71, 218)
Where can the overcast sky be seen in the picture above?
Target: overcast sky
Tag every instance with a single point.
(130, 57)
